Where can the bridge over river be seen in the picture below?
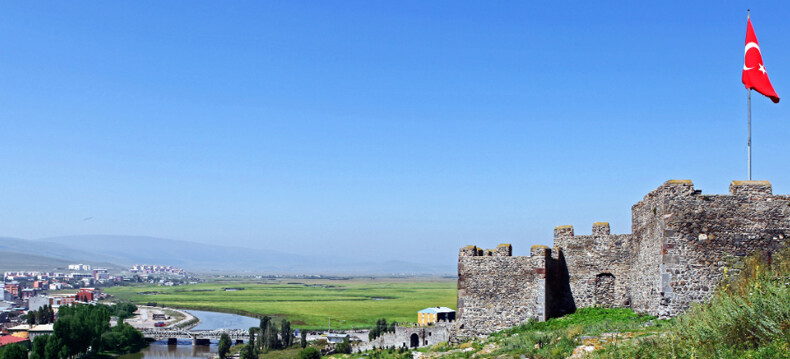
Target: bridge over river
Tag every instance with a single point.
(198, 337)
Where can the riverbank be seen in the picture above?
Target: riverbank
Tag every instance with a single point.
(174, 318)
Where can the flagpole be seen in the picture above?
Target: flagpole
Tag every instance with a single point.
(749, 143)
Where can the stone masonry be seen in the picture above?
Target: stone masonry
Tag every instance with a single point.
(410, 337)
(680, 245)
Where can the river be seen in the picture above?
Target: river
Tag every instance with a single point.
(184, 349)
(214, 320)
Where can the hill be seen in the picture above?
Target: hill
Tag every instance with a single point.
(201, 258)
(13, 261)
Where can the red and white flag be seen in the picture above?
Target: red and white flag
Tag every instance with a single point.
(754, 74)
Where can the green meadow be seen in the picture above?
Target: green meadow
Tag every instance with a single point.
(356, 303)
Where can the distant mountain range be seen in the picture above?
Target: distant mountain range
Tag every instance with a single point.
(122, 251)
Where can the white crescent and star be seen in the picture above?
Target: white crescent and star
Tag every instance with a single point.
(751, 45)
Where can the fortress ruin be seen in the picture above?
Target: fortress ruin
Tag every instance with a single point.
(680, 245)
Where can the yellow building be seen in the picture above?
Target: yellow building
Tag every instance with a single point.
(429, 316)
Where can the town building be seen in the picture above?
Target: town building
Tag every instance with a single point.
(336, 338)
(29, 292)
(31, 331)
(100, 273)
(14, 288)
(88, 294)
(41, 329)
(156, 269)
(34, 303)
(10, 339)
(5, 295)
(432, 315)
(62, 299)
(80, 267)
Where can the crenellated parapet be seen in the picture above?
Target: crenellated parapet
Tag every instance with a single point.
(594, 259)
(502, 250)
(681, 241)
(497, 290)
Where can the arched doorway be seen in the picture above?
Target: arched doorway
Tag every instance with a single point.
(415, 340)
(604, 290)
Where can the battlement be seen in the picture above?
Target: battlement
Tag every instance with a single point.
(601, 233)
(750, 188)
(680, 243)
(671, 188)
(563, 232)
(502, 250)
(681, 188)
(539, 250)
(600, 229)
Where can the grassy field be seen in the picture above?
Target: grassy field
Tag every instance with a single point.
(306, 303)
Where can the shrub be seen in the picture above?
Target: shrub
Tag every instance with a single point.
(309, 353)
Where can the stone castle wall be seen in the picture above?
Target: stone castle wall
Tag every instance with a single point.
(497, 290)
(681, 242)
(406, 336)
(703, 234)
(598, 266)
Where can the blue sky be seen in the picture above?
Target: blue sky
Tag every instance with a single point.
(374, 128)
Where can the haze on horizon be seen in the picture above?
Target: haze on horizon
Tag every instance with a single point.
(384, 130)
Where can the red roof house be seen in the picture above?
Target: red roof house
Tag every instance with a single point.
(10, 339)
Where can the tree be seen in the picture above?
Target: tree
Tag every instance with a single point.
(112, 341)
(85, 329)
(285, 333)
(304, 338)
(123, 310)
(224, 345)
(14, 351)
(344, 347)
(382, 325)
(260, 343)
(39, 347)
(273, 341)
(265, 323)
(52, 348)
(266, 341)
(49, 314)
(133, 339)
(244, 353)
(264, 336)
(381, 328)
(309, 353)
(251, 346)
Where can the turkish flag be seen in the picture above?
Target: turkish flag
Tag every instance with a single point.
(754, 74)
